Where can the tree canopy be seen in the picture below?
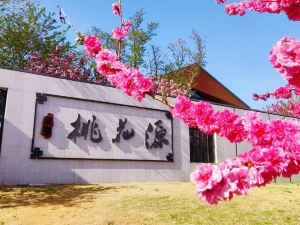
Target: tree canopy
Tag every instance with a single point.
(26, 27)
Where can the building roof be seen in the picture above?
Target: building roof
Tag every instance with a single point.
(208, 87)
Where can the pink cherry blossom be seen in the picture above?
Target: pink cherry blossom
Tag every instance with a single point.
(106, 68)
(285, 92)
(168, 88)
(235, 9)
(92, 46)
(219, 192)
(276, 153)
(107, 63)
(264, 97)
(294, 108)
(116, 9)
(67, 65)
(120, 32)
(210, 184)
(203, 113)
(290, 7)
(242, 177)
(106, 55)
(294, 79)
(183, 110)
(206, 176)
(256, 129)
(257, 167)
(293, 12)
(285, 57)
(293, 166)
(133, 83)
(230, 126)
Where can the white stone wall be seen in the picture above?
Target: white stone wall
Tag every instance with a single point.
(16, 167)
(137, 120)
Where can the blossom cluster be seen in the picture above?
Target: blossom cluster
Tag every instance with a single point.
(228, 124)
(285, 57)
(237, 176)
(201, 115)
(169, 88)
(294, 108)
(290, 7)
(120, 32)
(276, 150)
(285, 92)
(289, 108)
(116, 9)
(92, 46)
(129, 80)
(57, 64)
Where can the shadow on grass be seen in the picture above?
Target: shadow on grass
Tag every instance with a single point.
(60, 195)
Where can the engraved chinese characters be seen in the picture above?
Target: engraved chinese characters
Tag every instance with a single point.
(126, 134)
(159, 135)
(95, 133)
(82, 129)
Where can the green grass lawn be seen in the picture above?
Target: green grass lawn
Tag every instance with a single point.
(138, 204)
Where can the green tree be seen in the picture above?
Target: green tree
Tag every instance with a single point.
(157, 61)
(10, 5)
(178, 56)
(26, 27)
(138, 37)
(181, 63)
(181, 55)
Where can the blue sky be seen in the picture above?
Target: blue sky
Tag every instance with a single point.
(237, 47)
